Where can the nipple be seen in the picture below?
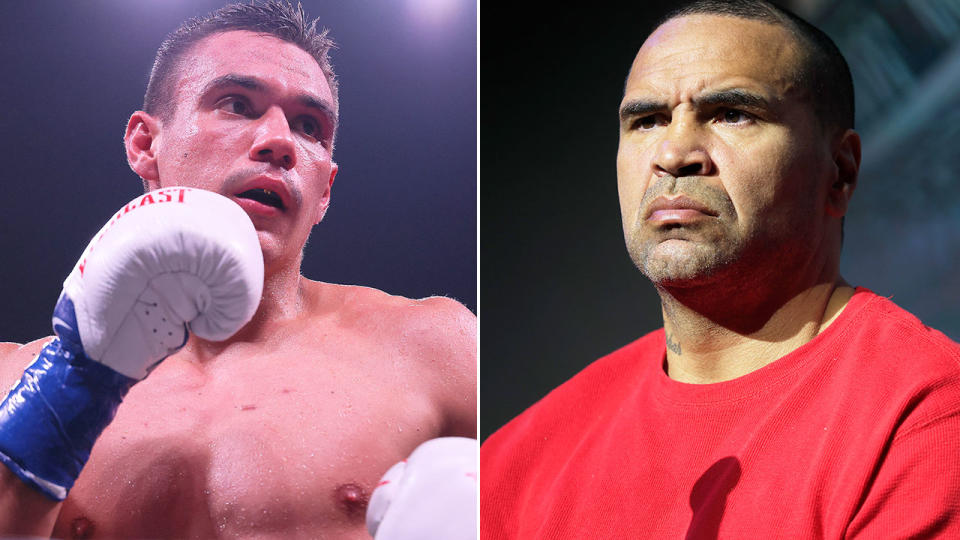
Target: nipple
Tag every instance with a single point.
(352, 499)
(80, 528)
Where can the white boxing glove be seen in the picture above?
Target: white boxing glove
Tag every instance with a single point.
(432, 495)
(171, 261)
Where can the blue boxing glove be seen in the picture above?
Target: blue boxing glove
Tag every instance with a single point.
(172, 261)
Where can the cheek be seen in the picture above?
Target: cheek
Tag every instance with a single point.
(752, 168)
(774, 185)
(633, 177)
(190, 164)
(208, 150)
(314, 161)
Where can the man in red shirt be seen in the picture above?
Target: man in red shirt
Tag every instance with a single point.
(778, 400)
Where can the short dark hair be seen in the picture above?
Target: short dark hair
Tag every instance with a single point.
(824, 72)
(277, 18)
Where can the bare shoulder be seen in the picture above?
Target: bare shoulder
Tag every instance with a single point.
(15, 352)
(435, 322)
(444, 332)
(437, 333)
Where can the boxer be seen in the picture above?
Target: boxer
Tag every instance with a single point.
(265, 404)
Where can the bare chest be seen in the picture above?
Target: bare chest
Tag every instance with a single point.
(242, 451)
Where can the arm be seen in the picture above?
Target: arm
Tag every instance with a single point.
(451, 350)
(915, 491)
(23, 510)
(433, 493)
(171, 262)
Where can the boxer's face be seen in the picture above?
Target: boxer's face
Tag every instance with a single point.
(254, 112)
(721, 163)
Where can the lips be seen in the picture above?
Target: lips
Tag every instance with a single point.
(264, 195)
(677, 210)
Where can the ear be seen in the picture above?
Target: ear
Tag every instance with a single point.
(846, 158)
(140, 141)
(325, 200)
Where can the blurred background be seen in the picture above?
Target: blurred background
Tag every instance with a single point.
(557, 287)
(403, 214)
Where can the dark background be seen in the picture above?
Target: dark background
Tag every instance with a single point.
(403, 214)
(557, 287)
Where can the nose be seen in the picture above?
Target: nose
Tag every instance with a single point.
(273, 140)
(681, 152)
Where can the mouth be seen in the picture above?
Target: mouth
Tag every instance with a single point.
(678, 210)
(263, 196)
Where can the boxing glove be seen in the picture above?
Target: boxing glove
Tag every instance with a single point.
(172, 261)
(430, 495)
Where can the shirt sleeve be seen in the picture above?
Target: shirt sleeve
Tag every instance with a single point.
(915, 490)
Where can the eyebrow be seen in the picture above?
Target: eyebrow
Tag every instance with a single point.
(733, 98)
(309, 101)
(226, 81)
(641, 107)
(730, 98)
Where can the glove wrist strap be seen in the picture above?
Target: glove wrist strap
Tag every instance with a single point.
(52, 417)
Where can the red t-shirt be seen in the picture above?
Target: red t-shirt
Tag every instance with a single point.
(856, 434)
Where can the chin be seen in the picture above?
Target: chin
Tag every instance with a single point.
(676, 274)
(270, 247)
(678, 265)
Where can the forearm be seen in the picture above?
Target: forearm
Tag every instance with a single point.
(23, 510)
(126, 306)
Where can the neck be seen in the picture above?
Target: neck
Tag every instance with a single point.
(710, 341)
(283, 299)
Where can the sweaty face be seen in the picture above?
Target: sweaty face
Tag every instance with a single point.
(721, 163)
(254, 121)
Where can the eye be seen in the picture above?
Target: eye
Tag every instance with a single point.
(733, 116)
(649, 122)
(308, 126)
(235, 105)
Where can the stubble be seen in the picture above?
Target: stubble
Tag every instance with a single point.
(678, 255)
